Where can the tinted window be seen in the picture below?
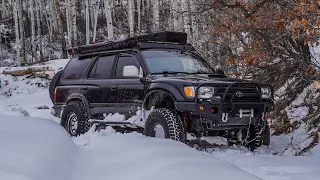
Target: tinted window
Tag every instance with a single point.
(75, 68)
(93, 70)
(103, 67)
(125, 61)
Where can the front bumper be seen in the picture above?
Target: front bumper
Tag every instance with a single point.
(222, 114)
(225, 116)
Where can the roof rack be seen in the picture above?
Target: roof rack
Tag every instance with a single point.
(166, 37)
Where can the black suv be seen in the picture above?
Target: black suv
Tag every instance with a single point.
(164, 76)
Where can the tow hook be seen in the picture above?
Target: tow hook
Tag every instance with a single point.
(225, 117)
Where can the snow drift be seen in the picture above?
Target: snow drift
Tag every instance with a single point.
(39, 149)
(35, 149)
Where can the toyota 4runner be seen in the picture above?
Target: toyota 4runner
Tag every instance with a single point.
(162, 74)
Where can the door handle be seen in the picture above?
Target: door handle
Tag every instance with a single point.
(114, 88)
(85, 88)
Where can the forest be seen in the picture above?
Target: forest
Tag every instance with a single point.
(270, 41)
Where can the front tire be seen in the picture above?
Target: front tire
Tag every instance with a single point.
(259, 135)
(74, 119)
(165, 123)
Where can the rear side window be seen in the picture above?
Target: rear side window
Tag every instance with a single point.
(102, 68)
(75, 68)
(125, 60)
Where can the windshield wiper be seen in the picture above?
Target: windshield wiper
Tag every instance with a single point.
(171, 72)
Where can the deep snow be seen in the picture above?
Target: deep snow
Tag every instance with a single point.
(34, 149)
(38, 148)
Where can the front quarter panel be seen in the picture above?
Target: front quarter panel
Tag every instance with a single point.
(175, 90)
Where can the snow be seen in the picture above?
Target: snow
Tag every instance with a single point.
(136, 120)
(34, 146)
(40, 149)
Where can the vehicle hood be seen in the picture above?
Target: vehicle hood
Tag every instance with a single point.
(195, 79)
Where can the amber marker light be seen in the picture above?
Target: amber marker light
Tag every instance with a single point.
(189, 91)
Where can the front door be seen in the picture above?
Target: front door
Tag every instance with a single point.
(126, 93)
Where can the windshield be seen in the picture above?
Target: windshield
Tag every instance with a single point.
(162, 61)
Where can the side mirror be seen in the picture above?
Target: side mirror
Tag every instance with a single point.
(220, 71)
(131, 71)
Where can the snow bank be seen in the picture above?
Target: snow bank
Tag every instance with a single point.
(35, 149)
(274, 167)
(39, 149)
(110, 155)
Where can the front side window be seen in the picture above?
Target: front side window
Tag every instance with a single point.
(160, 61)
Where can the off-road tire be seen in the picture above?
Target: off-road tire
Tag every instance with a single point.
(54, 83)
(79, 109)
(259, 135)
(266, 136)
(169, 120)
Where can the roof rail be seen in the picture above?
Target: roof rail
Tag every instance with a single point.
(166, 37)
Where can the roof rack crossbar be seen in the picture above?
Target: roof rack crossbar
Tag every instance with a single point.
(131, 42)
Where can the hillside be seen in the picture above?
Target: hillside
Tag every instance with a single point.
(107, 154)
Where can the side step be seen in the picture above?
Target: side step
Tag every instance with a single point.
(114, 123)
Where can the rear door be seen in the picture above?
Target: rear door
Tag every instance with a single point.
(126, 93)
(72, 77)
(98, 80)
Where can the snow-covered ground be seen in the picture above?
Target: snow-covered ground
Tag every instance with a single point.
(34, 147)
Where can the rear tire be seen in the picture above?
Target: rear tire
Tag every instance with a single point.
(54, 83)
(167, 121)
(74, 119)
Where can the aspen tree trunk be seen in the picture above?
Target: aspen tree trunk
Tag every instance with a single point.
(54, 15)
(50, 25)
(131, 16)
(68, 21)
(87, 23)
(17, 32)
(3, 7)
(175, 15)
(39, 8)
(74, 23)
(139, 16)
(33, 32)
(20, 18)
(185, 16)
(155, 9)
(108, 5)
(60, 30)
(95, 23)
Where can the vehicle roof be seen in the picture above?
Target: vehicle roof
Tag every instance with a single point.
(163, 40)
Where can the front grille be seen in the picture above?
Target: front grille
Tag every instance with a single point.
(249, 94)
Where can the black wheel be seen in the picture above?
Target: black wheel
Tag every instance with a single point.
(259, 134)
(165, 123)
(74, 119)
(54, 83)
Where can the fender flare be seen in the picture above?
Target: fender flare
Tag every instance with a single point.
(82, 98)
(169, 89)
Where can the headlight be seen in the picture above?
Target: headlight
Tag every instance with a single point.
(206, 92)
(203, 92)
(265, 93)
